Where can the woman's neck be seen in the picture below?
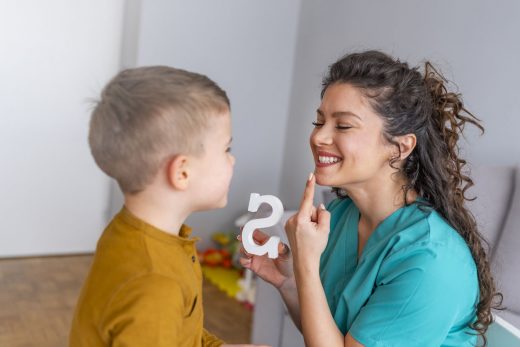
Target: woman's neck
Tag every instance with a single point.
(377, 200)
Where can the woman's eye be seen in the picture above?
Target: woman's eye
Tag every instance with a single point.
(339, 127)
(228, 150)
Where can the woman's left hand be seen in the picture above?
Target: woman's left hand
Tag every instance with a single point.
(308, 231)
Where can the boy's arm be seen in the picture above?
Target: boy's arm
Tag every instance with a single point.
(146, 311)
(210, 340)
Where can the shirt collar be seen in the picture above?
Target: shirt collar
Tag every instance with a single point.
(185, 231)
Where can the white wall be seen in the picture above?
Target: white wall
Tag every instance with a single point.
(55, 55)
(247, 47)
(475, 43)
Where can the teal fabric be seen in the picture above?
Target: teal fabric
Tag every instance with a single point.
(415, 283)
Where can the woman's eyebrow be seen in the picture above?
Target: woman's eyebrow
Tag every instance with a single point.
(340, 114)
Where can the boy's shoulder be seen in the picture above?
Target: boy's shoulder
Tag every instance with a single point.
(133, 247)
(133, 269)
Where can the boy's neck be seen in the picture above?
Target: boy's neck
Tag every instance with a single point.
(165, 215)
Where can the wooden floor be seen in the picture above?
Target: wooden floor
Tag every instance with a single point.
(38, 295)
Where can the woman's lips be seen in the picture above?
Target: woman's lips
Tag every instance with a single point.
(325, 159)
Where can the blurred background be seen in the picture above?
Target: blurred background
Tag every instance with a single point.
(269, 55)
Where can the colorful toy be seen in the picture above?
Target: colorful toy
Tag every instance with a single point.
(220, 266)
(216, 257)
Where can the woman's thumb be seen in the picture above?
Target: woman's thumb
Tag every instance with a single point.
(323, 219)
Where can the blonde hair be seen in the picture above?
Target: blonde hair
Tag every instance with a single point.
(148, 114)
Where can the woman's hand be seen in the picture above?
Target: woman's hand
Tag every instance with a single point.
(308, 231)
(275, 271)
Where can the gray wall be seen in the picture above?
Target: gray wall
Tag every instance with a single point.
(475, 43)
(248, 48)
(270, 57)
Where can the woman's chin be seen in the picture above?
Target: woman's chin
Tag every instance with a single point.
(323, 180)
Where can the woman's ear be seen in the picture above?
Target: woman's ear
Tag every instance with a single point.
(178, 172)
(406, 144)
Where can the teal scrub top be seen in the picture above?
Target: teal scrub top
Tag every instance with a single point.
(415, 283)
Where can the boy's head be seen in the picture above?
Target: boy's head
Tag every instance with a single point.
(149, 115)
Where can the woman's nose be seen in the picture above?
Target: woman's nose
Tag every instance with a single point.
(321, 136)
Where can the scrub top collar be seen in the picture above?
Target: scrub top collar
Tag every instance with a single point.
(386, 229)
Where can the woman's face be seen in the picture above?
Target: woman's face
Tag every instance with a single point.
(347, 142)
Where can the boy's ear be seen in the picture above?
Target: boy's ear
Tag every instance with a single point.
(178, 172)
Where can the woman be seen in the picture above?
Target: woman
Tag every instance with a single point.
(397, 259)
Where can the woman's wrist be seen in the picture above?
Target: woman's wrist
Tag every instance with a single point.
(307, 275)
(307, 267)
(287, 285)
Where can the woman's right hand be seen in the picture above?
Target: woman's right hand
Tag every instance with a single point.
(275, 271)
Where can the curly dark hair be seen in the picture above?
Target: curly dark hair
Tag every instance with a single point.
(410, 102)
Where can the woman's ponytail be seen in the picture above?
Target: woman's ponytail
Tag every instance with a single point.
(450, 117)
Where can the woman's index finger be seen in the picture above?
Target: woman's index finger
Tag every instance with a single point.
(308, 195)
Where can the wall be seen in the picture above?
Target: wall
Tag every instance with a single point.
(55, 56)
(475, 44)
(247, 47)
(269, 56)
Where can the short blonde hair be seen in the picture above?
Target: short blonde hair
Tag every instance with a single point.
(148, 114)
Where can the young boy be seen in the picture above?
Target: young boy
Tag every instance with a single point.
(163, 134)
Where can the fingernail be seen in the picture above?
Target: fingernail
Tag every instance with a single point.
(322, 206)
(311, 175)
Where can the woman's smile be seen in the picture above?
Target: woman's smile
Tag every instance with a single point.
(327, 159)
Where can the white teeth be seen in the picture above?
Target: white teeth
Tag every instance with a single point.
(327, 160)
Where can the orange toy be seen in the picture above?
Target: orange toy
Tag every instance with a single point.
(216, 257)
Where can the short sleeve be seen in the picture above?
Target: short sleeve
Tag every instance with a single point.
(418, 296)
(146, 312)
(210, 340)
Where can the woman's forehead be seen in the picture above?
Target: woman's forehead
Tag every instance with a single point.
(339, 93)
(344, 100)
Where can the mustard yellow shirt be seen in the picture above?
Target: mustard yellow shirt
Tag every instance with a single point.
(144, 289)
